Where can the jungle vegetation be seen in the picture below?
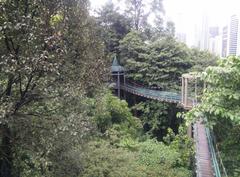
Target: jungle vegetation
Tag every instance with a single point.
(59, 119)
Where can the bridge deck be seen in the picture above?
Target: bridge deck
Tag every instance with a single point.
(153, 94)
(203, 157)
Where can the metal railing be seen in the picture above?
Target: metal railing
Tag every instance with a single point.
(217, 156)
(154, 94)
(215, 165)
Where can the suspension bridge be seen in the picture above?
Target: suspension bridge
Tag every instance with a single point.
(205, 157)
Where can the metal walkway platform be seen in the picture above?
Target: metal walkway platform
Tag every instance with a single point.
(203, 156)
(170, 97)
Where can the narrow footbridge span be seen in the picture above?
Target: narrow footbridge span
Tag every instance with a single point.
(207, 164)
(203, 155)
(165, 96)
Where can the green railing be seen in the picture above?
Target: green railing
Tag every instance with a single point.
(218, 167)
(155, 94)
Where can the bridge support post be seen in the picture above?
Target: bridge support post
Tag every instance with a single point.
(196, 97)
(118, 84)
(124, 84)
(185, 92)
(182, 99)
(189, 90)
(190, 131)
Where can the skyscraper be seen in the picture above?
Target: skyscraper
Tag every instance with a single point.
(215, 41)
(224, 41)
(233, 35)
(213, 31)
(201, 34)
(204, 34)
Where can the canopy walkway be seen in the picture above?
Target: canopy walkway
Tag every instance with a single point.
(155, 94)
(203, 156)
(170, 97)
(206, 159)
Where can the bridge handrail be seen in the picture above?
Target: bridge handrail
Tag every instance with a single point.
(218, 155)
(196, 149)
(133, 87)
(216, 167)
(138, 84)
(147, 92)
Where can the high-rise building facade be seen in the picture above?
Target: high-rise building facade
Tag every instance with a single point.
(224, 41)
(204, 34)
(213, 31)
(233, 35)
(215, 45)
(201, 34)
(215, 41)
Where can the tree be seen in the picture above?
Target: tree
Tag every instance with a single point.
(49, 58)
(202, 59)
(168, 61)
(170, 29)
(149, 158)
(133, 54)
(111, 111)
(219, 109)
(221, 97)
(139, 10)
(161, 62)
(113, 26)
(157, 8)
(158, 117)
(121, 149)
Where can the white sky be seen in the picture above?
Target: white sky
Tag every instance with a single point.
(186, 14)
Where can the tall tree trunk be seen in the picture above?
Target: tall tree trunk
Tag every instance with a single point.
(6, 161)
(6, 152)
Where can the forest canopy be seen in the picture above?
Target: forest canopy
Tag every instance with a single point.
(60, 118)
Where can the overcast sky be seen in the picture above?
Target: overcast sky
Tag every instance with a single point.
(186, 14)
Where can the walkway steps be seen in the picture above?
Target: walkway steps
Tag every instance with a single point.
(203, 157)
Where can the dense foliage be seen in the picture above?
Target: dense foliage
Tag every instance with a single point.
(123, 150)
(220, 109)
(202, 59)
(161, 62)
(221, 98)
(147, 159)
(56, 117)
(49, 55)
(114, 26)
(157, 117)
